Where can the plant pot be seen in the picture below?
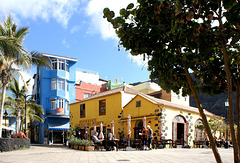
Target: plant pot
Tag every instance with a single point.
(81, 148)
(75, 147)
(89, 148)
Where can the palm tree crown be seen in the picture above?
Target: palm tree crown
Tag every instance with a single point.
(13, 53)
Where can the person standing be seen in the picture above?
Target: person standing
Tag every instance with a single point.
(144, 138)
(150, 135)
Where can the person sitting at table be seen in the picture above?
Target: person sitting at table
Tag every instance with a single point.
(96, 140)
(110, 136)
(111, 145)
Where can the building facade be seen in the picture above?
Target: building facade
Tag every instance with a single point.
(104, 107)
(153, 89)
(54, 88)
(167, 119)
(88, 83)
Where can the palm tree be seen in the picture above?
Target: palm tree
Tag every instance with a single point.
(32, 110)
(13, 53)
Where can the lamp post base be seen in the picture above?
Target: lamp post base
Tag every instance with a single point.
(129, 149)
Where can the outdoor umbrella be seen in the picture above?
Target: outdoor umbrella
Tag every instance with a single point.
(129, 125)
(101, 136)
(160, 127)
(144, 122)
(112, 127)
(94, 129)
(86, 132)
(129, 132)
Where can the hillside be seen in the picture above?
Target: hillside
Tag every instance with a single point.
(214, 104)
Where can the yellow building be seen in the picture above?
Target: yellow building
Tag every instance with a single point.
(103, 107)
(167, 119)
(170, 120)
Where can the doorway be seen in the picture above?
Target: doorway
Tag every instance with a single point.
(180, 131)
(138, 129)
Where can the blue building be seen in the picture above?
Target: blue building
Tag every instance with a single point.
(54, 88)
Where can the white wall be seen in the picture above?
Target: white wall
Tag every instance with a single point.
(88, 77)
(179, 99)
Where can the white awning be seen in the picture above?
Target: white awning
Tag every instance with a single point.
(7, 128)
(58, 126)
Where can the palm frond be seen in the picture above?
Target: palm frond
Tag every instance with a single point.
(39, 59)
(38, 118)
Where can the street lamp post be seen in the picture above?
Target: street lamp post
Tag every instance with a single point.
(32, 100)
(226, 105)
(5, 115)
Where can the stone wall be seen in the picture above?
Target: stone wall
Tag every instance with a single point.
(9, 144)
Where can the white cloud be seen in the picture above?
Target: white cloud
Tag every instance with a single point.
(138, 60)
(60, 10)
(75, 29)
(94, 10)
(64, 42)
(100, 25)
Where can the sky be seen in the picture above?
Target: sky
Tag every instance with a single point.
(76, 28)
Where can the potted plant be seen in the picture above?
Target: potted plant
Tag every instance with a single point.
(81, 144)
(70, 140)
(89, 145)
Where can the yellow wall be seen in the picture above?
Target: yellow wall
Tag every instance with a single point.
(113, 110)
(137, 113)
(167, 114)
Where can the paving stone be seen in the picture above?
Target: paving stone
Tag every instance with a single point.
(62, 154)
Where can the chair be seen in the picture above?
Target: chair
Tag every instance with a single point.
(122, 144)
(136, 143)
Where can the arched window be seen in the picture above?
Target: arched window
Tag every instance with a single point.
(179, 119)
(139, 123)
(199, 130)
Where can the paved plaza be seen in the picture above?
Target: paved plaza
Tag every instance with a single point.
(61, 154)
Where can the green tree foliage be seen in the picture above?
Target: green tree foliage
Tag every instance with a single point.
(178, 36)
(33, 111)
(12, 52)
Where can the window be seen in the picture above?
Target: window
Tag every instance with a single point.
(53, 104)
(61, 84)
(138, 103)
(199, 131)
(60, 103)
(61, 64)
(86, 95)
(67, 105)
(82, 111)
(102, 107)
(53, 84)
(54, 64)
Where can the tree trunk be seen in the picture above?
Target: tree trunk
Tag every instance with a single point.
(204, 118)
(16, 126)
(238, 112)
(2, 106)
(230, 100)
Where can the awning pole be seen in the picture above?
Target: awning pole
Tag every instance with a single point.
(52, 136)
(63, 137)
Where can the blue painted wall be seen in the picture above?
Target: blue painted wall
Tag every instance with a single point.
(46, 94)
